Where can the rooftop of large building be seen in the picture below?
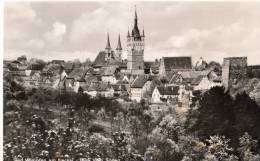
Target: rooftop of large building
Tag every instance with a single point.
(102, 61)
(168, 90)
(139, 81)
(172, 63)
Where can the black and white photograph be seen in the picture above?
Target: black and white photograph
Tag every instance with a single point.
(130, 80)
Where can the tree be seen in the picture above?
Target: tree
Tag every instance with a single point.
(219, 150)
(76, 63)
(219, 114)
(100, 146)
(119, 144)
(247, 148)
(87, 63)
(165, 138)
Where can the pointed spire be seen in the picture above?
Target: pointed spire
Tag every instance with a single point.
(135, 31)
(108, 47)
(135, 13)
(119, 47)
(135, 24)
(143, 33)
(128, 34)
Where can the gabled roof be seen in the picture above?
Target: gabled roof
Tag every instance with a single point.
(46, 73)
(58, 61)
(115, 62)
(18, 73)
(171, 63)
(54, 68)
(91, 78)
(35, 73)
(77, 73)
(99, 86)
(197, 80)
(116, 87)
(168, 90)
(81, 79)
(175, 78)
(100, 59)
(139, 81)
(109, 71)
(35, 66)
(93, 86)
(157, 81)
(16, 62)
(85, 86)
(103, 86)
(193, 74)
(119, 87)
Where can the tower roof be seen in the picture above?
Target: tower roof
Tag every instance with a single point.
(135, 31)
(108, 42)
(119, 47)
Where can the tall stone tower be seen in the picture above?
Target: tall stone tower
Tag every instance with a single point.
(135, 50)
(234, 69)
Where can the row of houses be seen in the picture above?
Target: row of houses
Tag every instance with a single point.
(167, 79)
(177, 85)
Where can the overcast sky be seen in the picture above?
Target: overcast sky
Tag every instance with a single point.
(78, 30)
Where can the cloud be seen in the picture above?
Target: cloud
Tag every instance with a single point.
(19, 12)
(209, 29)
(37, 44)
(50, 55)
(20, 22)
(10, 54)
(77, 54)
(99, 22)
(237, 39)
(55, 36)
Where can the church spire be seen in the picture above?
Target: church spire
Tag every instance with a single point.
(135, 23)
(135, 31)
(108, 47)
(119, 47)
(143, 35)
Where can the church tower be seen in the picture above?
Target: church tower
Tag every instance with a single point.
(118, 49)
(135, 49)
(108, 49)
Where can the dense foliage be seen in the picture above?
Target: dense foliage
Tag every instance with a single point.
(49, 124)
(219, 113)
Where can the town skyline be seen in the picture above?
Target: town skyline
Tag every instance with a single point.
(131, 81)
(45, 35)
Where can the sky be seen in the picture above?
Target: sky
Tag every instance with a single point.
(78, 30)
